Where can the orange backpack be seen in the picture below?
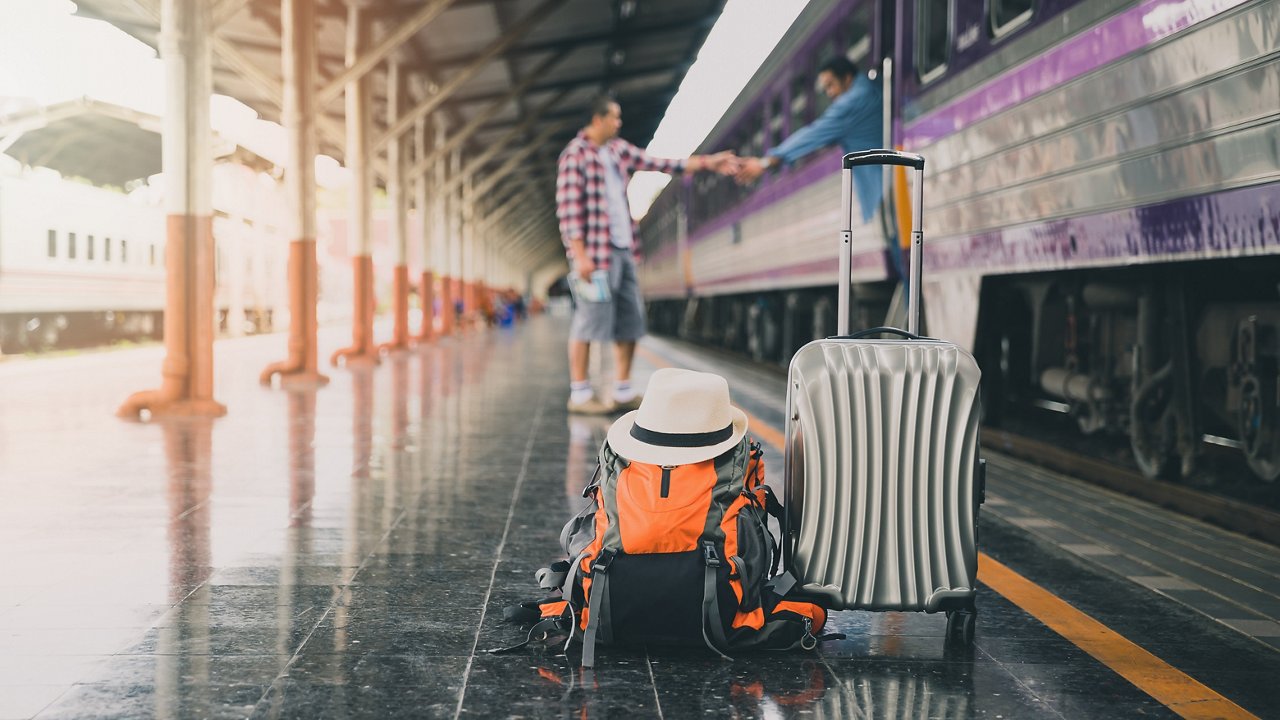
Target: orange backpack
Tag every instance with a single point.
(673, 555)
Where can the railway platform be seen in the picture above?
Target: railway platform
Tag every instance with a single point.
(348, 551)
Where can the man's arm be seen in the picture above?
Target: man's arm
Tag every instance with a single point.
(571, 211)
(827, 129)
(722, 162)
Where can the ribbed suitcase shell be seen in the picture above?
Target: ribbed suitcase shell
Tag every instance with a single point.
(882, 473)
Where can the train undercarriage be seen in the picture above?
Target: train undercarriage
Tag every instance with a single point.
(1169, 356)
(45, 331)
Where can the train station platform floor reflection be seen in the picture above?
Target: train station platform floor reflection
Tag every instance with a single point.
(347, 552)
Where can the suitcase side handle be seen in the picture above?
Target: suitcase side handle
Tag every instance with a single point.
(883, 157)
(878, 330)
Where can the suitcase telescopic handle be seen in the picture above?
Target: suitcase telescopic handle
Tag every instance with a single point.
(877, 331)
(880, 157)
(883, 157)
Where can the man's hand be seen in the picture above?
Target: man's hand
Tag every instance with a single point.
(749, 170)
(584, 266)
(723, 162)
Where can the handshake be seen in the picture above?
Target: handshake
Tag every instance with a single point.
(743, 169)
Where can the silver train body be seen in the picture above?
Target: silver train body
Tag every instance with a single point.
(82, 265)
(1102, 210)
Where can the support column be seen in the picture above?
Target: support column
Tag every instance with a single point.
(424, 213)
(187, 158)
(398, 205)
(360, 207)
(298, 61)
(468, 273)
(452, 215)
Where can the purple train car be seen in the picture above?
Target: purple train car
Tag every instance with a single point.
(1102, 209)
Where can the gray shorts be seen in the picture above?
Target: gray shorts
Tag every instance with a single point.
(621, 317)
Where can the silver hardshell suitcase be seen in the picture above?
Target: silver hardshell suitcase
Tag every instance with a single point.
(882, 474)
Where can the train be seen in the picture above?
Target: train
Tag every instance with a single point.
(1101, 213)
(83, 265)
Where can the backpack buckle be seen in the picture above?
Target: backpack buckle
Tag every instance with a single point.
(603, 561)
(709, 555)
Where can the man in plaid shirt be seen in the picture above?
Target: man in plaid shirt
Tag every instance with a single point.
(599, 238)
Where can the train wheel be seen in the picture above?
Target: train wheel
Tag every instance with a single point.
(1152, 425)
(1259, 428)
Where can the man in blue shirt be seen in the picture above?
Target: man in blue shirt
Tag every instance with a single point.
(854, 120)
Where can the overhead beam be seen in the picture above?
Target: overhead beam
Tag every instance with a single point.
(476, 123)
(573, 42)
(500, 144)
(225, 10)
(514, 161)
(525, 199)
(587, 79)
(370, 59)
(537, 15)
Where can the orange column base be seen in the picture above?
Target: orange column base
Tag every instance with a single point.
(299, 370)
(468, 303)
(186, 386)
(428, 298)
(447, 314)
(362, 351)
(158, 405)
(400, 301)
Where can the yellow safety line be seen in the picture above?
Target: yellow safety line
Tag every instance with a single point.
(1178, 691)
(1175, 689)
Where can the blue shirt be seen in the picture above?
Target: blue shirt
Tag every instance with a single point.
(855, 121)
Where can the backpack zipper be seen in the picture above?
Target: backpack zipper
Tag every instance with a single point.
(666, 479)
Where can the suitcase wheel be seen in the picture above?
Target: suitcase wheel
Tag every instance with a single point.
(961, 625)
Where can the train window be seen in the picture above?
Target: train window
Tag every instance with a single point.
(858, 34)
(1009, 15)
(88, 247)
(800, 94)
(774, 120)
(933, 33)
(825, 53)
(757, 141)
(71, 245)
(124, 251)
(106, 249)
(53, 243)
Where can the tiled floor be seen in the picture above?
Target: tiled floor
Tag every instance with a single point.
(348, 552)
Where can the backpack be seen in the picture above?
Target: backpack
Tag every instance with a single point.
(673, 555)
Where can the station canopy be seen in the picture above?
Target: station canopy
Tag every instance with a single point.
(109, 145)
(522, 73)
(103, 143)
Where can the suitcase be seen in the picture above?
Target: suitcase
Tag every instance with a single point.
(882, 475)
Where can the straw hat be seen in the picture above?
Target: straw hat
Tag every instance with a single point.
(685, 418)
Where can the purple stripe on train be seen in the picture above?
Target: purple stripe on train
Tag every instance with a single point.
(1236, 222)
(1115, 37)
(823, 164)
(873, 263)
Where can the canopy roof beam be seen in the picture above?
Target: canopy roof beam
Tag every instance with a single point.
(501, 143)
(589, 79)
(406, 121)
(514, 161)
(369, 60)
(476, 123)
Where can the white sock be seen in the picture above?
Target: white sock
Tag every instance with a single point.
(580, 392)
(622, 391)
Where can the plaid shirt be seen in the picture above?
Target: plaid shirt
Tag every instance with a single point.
(581, 203)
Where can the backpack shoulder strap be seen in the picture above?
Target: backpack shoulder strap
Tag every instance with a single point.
(712, 623)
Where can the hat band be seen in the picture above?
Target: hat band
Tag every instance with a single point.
(681, 440)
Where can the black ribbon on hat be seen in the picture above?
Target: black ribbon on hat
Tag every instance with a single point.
(681, 440)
